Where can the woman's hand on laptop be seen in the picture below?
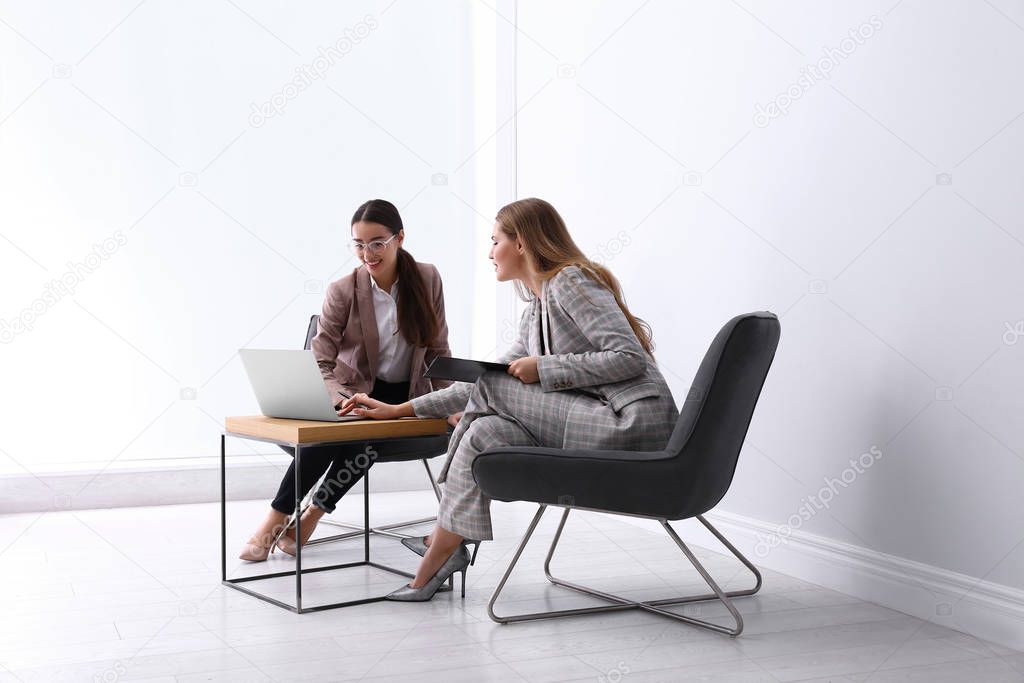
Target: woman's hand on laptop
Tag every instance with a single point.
(364, 406)
(361, 404)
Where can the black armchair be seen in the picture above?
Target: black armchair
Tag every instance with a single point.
(685, 480)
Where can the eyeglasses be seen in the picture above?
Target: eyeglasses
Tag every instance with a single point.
(374, 247)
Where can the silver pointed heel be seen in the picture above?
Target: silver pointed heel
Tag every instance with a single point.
(418, 544)
(458, 562)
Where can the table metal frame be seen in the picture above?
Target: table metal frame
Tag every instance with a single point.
(366, 531)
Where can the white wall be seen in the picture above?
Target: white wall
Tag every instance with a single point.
(134, 123)
(894, 288)
(878, 216)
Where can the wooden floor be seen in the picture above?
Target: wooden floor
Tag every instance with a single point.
(134, 594)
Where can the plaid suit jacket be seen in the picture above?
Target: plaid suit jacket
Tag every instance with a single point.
(594, 353)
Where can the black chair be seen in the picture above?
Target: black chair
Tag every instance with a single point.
(405, 449)
(685, 480)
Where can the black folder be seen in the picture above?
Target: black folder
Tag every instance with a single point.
(460, 369)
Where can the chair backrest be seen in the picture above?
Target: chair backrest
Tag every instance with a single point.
(311, 331)
(715, 416)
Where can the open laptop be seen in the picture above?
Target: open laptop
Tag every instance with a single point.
(288, 383)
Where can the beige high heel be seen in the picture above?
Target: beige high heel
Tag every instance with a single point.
(286, 544)
(256, 552)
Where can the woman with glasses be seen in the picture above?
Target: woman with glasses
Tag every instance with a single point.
(581, 376)
(380, 327)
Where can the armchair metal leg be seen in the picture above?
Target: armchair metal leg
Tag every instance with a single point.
(508, 572)
(622, 603)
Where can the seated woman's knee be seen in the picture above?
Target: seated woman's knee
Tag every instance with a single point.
(482, 433)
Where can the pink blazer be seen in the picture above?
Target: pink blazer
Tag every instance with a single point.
(346, 344)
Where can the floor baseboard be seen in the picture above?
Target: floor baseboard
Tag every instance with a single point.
(194, 482)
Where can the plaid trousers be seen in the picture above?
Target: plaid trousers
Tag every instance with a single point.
(502, 411)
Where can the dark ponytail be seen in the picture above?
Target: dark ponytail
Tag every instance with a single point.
(417, 320)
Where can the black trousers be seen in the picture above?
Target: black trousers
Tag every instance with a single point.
(342, 462)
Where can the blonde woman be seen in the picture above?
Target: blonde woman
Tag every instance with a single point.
(581, 375)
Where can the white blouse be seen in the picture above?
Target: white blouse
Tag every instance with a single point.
(395, 354)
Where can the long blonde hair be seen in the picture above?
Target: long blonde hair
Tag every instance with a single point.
(550, 248)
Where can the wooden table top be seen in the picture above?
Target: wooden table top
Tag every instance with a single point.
(312, 431)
